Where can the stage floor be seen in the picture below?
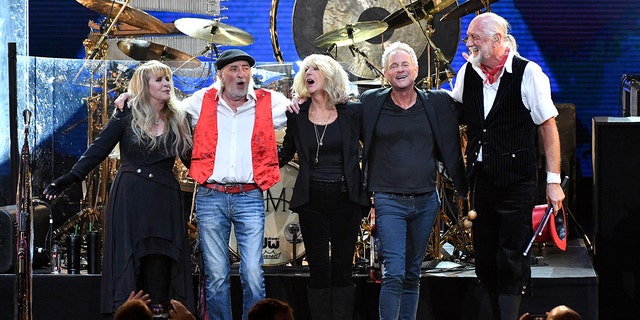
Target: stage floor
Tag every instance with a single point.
(559, 278)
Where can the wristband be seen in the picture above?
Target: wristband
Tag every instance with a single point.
(553, 177)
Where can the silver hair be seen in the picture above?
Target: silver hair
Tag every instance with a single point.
(396, 46)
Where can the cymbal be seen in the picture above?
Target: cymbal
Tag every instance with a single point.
(420, 10)
(130, 15)
(464, 9)
(144, 50)
(213, 31)
(351, 33)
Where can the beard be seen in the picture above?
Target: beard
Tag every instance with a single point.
(478, 57)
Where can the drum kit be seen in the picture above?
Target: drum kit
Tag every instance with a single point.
(431, 27)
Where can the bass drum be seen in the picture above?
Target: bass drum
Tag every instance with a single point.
(281, 225)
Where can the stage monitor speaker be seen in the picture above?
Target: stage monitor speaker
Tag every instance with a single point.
(630, 90)
(616, 204)
(41, 216)
(6, 241)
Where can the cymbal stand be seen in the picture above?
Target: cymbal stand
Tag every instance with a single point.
(201, 52)
(375, 69)
(427, 32)
(99, 48)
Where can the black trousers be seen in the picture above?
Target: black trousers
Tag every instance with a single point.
(501, 233)
(329, 224)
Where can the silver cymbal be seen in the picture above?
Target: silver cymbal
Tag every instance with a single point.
(351, 33)
(213, 31)
(144, 50)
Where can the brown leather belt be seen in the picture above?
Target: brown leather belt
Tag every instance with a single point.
(231, 187)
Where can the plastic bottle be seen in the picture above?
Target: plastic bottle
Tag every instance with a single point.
(55, 258)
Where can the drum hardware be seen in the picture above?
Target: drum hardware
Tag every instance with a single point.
(417, 10)
(126, 14)
(144, 50)
(468, 7)
(375, 260)
(312, 19)
(351, 34)
(424, 10)
(451, 226)
(273, 22)
(213, 31)
(292, 236)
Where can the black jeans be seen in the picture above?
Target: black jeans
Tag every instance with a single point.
(329, 217)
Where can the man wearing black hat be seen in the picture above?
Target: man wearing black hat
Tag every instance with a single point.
(234, 160)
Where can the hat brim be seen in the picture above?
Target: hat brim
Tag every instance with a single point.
(555, 230)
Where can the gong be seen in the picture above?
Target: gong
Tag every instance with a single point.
(313, 18)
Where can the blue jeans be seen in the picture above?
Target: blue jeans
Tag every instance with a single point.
(216, 211)
(404, 224)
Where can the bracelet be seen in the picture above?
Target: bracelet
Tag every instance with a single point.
(553, 177)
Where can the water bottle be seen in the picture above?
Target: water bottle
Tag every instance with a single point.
(55, 258)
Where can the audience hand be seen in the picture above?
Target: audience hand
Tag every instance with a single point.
(140, 295)
(179, 312)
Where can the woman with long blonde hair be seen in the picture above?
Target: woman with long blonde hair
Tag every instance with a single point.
(327, 194)
(145, 226)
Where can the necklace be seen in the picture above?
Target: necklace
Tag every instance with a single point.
(319, 139)
(156, 122)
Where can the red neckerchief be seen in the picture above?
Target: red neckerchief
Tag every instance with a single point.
(492, 75)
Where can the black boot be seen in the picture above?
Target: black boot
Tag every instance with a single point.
(509, 305)
(320, 303)
(342, 302)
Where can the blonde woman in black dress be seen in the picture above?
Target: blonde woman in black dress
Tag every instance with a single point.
(145, 232)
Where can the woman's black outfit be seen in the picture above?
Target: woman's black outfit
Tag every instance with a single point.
(144, 222)
(328, 198)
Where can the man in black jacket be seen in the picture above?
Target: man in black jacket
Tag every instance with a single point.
(405, 132)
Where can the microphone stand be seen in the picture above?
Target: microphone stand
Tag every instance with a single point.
(293, 228)
(24, 242)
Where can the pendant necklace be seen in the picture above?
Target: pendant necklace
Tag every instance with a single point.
(320, 137)
(156, 122)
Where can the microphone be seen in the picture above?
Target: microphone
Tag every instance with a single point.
(26, 114)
